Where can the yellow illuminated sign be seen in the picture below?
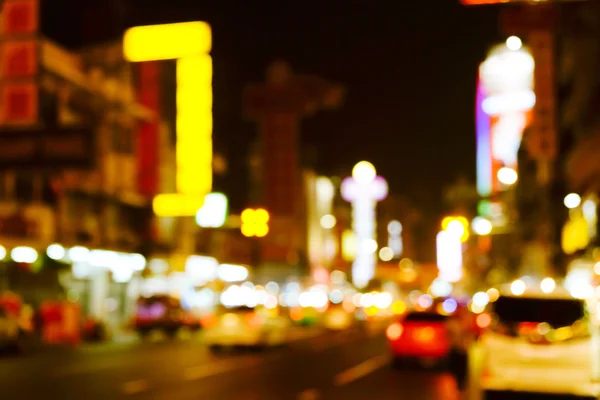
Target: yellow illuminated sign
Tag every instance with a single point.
(177, 205)
(349, 245)
(463, 221)
(189, 43)
(167, 42)
(255, 222)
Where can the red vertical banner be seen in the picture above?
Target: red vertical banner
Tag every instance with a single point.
(280, 141)
(19, 104)
(19, 59)
(19, 55)
(148, 138)
(20, 17)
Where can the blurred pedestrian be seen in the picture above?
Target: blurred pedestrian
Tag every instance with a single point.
(461, 338)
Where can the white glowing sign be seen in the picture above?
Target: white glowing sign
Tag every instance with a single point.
(213, 213)
(449, 256)
(505, 100)
(395, 238)
(201, 269)
(232, 273)
(363, 190)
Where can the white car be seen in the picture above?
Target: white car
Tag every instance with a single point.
(539, 343)
(246, 327)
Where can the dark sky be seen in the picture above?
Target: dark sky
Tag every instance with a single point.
(408, 66)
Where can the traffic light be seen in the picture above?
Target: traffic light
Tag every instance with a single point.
(255, 223)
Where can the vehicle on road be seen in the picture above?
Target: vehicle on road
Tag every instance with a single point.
(246, 327)
(420, 336)
(538, 343)
(164, 314)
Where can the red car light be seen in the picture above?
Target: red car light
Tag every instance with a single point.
(394, 331)
(425, 334)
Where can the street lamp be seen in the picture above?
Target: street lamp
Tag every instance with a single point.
(514, 43)
(507, 176)
(481, 226)
(572, 200)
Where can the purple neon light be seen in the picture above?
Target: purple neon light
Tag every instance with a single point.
(376, 190)
(484, 149)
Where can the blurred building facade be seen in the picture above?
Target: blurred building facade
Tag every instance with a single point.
(71, 169)
(278, 106)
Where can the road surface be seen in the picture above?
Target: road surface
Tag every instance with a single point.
(348, 365)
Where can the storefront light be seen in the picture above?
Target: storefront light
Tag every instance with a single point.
(122, 275)
(24, 254)
(79, 254)
(81, 270)
(56, 252)
(137, 262)
(232, 273)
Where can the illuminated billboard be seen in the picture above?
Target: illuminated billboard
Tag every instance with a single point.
(505, 99)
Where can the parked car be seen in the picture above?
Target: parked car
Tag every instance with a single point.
(164, 314)
(539, 343)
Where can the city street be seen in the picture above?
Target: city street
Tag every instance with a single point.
(347, 365)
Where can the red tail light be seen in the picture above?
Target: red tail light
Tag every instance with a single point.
(394, 331)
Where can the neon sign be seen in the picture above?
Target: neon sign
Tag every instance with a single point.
(364, 189)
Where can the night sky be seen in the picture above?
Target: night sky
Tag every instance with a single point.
(408, 67)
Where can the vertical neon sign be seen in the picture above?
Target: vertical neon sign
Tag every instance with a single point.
(364, 189)
(484, 150)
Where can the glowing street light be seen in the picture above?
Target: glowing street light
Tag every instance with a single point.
(548, 285)
(572, 200)
(518, 287)
(386, 254)
(514, 43)
(364, 189)
(364, 172)
(507, 176)
(328, 221)
(213, 213)
(482, 226)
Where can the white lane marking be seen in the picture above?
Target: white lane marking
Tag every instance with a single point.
(134, 387)
(208, 370)
(310, 394)
(361, 370)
